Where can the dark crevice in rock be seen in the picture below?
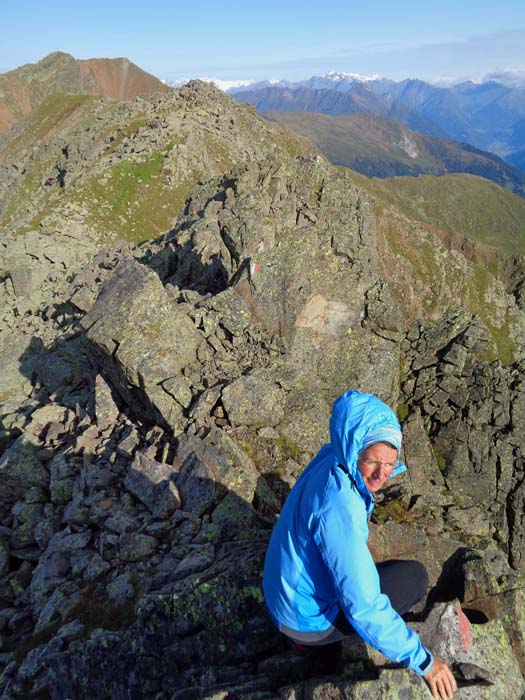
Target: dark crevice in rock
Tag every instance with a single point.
(476, 617)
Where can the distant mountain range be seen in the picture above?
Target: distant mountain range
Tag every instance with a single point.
(334, 80)
(490, 116)
(23, 89)
(381, 147)
(358, 98)
(373, 125)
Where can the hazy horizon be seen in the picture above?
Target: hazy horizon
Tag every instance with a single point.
(294, 42)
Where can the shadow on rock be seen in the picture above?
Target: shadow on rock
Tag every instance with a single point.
(137, 576)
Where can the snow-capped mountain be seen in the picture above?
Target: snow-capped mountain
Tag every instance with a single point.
(356, 77)
(224, 85)
(261, 85)
(334, 80)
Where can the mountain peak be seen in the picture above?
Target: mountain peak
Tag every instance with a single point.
(60, 72)
(56, 56)
(357, 77)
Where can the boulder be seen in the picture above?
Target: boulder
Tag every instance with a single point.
(20, 468)
(39, 264)
(141, 340)
(151, 482)
(18, 353)
(231, 311)
(255, 399)
(133, 547)
(106, 411)
(481, 651)
(26, 517)
(217, 478)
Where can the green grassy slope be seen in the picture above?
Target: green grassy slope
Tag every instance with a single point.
(460, 204)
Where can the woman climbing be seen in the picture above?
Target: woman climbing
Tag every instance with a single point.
(320, 581)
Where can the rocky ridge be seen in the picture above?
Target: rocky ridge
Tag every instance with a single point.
(125, 168)
(163, 398)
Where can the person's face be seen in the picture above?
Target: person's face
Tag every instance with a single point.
(376, 464)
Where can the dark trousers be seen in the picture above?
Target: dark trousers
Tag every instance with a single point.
(404, 582)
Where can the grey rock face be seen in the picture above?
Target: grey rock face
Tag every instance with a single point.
(466, 405)
(270, 231)
(151, 482)
(214, 469)
(105, 409)
(141, 340)
(35, 262)
(136, 503)
(254, 399)
(20, 469)
(15, 379)
(471, 648)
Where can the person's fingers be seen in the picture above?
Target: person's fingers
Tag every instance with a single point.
(443, 687)
(452, 687)
(441, 681)
(447, 685)
(442, 692)
(450, 682)
(446, 693)
(435, 691)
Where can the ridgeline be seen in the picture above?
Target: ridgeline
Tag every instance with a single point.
(185, 290)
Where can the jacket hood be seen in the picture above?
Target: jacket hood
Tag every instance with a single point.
(354, 416)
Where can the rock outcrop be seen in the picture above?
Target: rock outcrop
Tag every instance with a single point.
(160, 401)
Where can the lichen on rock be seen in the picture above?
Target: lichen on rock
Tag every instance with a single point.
(161, 400)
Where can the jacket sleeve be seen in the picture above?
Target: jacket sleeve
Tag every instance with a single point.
(342, 544)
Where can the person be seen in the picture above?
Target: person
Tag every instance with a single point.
(320, 582)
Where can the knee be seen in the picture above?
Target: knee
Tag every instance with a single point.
(419, 575)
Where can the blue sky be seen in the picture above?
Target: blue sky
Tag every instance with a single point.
(274, 39)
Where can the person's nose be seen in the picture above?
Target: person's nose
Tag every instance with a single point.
(383, 468)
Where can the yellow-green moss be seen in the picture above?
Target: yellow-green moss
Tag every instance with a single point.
(393, 510)
(402, 412)
(288, 448)
(440, 461)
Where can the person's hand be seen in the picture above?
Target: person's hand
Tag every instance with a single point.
(440, 680)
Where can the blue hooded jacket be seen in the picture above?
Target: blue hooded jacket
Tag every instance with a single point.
(318, 562)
